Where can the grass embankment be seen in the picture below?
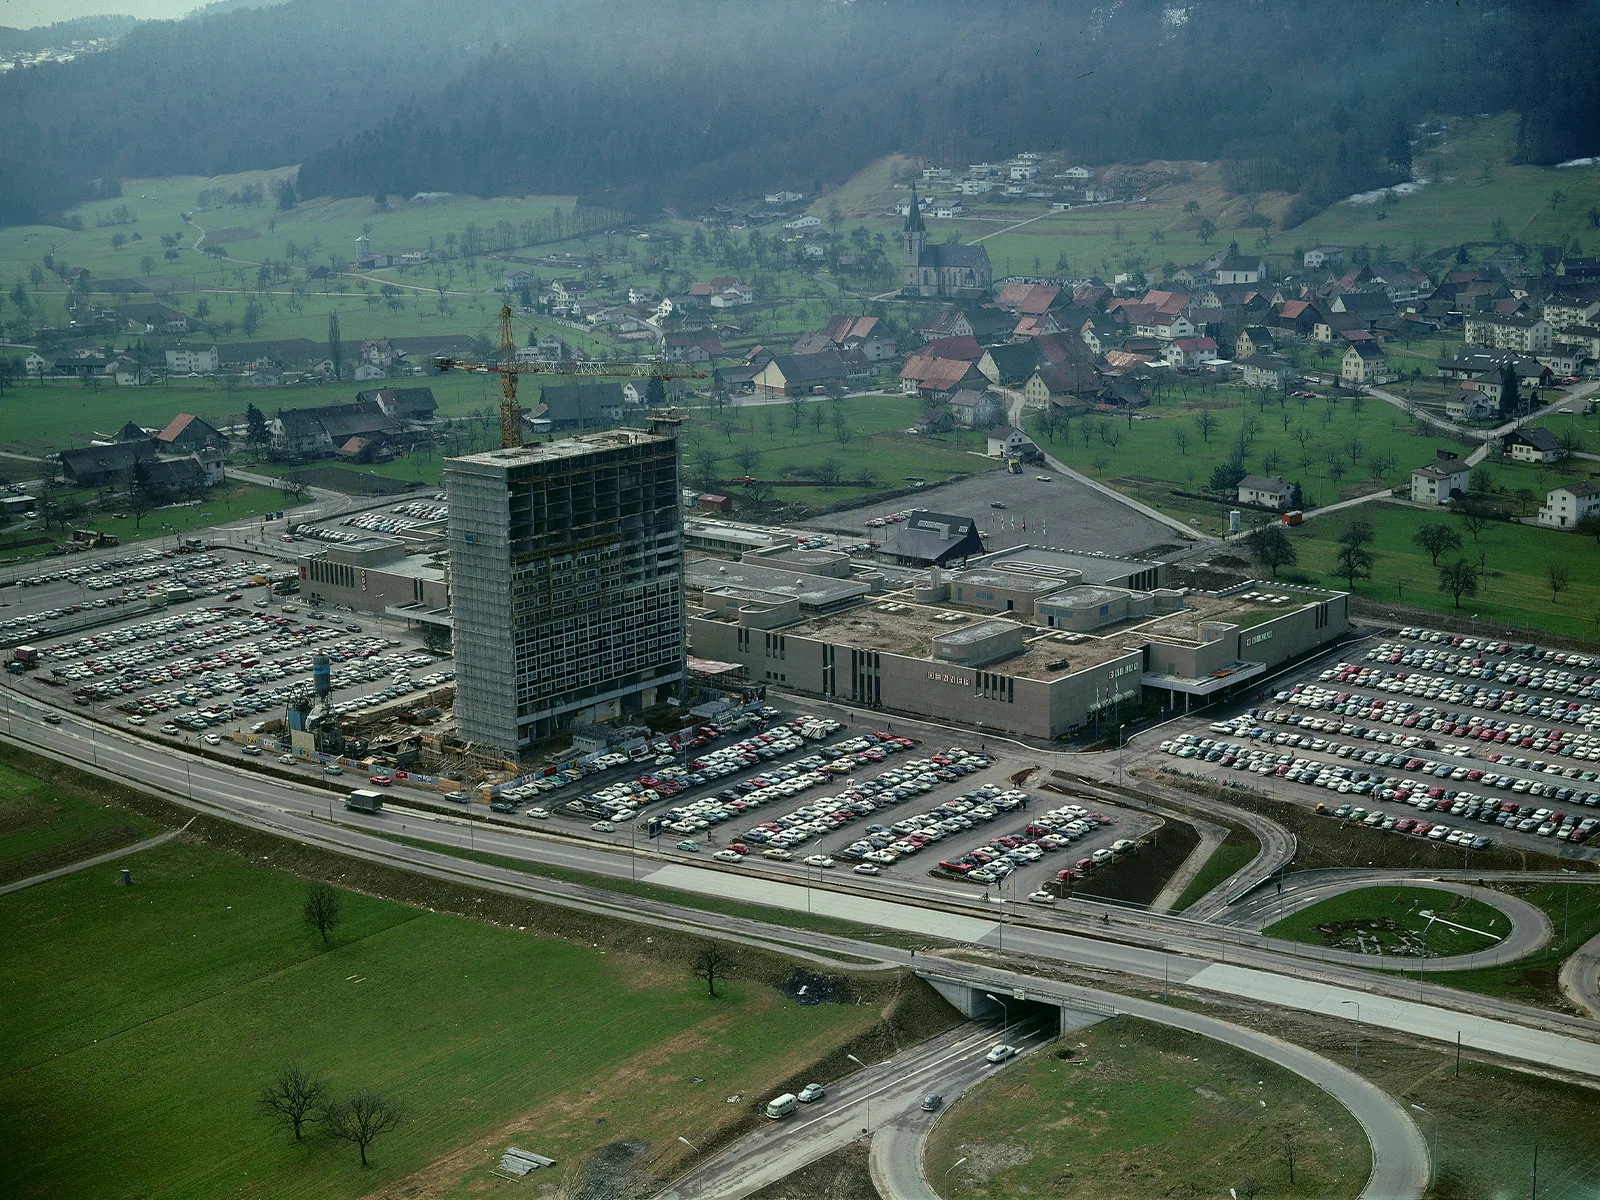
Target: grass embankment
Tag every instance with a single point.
(711, 904)
(1389, 921)
(842, 1175)
(1141, 1110)
(43, 827)
(1574, 911)
(146, 1018)
(1513, 592)
(1482, 1154)
(1237, 851)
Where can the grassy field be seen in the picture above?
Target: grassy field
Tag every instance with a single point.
(1391, 918)
(43, 827)
(138, 1076)
(1513, 595)
(1238, 849)
(1166, 449)
(1140, 1110)
(226, 502)
(878, 445)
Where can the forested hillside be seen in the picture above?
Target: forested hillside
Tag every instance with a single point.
(684, 103)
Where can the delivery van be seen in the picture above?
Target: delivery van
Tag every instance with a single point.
(782, 1106)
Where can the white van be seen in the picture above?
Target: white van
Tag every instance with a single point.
(782, 1106)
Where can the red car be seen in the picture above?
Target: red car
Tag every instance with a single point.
(380, 780)
(1064, 875)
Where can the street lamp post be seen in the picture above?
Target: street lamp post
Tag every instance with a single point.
(952, 1167)
(1357, 1003)
(1433, 1165)
(1005, 1021)
(863, 1066)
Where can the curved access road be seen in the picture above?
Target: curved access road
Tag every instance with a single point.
(1399, 1154)
(1530, 925)
(866, 1102)
(1580, 977)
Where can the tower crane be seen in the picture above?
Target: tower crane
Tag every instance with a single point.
(509, 369)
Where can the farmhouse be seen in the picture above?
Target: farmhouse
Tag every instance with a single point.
(1441, 480)
(1570, 503)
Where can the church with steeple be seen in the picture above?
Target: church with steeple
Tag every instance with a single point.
(947, 271)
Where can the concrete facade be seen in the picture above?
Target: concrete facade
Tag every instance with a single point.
(566, 583)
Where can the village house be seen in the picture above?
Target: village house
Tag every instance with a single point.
(1469, 404)
(191, 360)
(1252, 339)
(933, 378)
(1441, 480)
(186, 432)
(1570, 503)
(1186, 354)
(1527, 335)
(1364, 363)
(973, 409)
(1267, 370)
(801, 374)
(1534, 444)
(1268, 491)
(1323, 256)
(1007, 441)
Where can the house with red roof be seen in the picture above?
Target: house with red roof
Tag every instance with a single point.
(1186, 354)
(186, 432)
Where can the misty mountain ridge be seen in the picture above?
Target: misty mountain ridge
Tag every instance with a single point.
(638, 106)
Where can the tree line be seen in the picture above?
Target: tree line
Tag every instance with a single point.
(512, 98)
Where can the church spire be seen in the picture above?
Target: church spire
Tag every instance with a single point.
(914, 217)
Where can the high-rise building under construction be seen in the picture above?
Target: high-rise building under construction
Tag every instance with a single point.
(566, 591)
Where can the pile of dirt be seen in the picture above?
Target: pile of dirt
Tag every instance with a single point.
(615, 1172)
(810, 987)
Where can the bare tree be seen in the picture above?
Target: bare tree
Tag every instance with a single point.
(1436, 538)
(1181, 436)
(323, 908)
(1459, 579)
(362, 1119)
(292, 1098)
(1560, 578)
(1206, 421)
(1271, 545)
(1289, 1153)
(711, 963)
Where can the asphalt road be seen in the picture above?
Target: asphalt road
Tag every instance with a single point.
(1580, 976)
(864, 1102)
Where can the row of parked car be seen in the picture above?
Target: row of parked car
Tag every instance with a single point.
(621, 801)
(1556, 697)
(1566, 783)
(1571, 675)
(1491, 732)
(784, 782)
(1346, 781)
(1046, 833)
(1488, 646)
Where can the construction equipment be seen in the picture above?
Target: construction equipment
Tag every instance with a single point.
(1014, 466)
(508, 368)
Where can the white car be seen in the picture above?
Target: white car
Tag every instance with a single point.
(136, 720)
(728, 856)
(869, 869)
(777, 855)
(288, 759)
(1041, 898)
(603, 827)
(1000, 1053)
(212, 739)
(818, 860)
(538, 814)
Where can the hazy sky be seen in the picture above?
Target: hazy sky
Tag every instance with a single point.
(24, 14)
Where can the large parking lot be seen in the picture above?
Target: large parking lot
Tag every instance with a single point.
(1038, 507)
(1456, 739)
(222, 652)
(807, 795)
